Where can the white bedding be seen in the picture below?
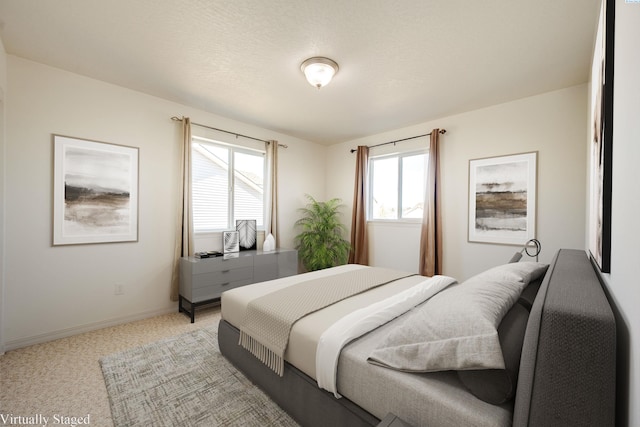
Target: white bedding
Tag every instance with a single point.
(305, 334)
(364, 320)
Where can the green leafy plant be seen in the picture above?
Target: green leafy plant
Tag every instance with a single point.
(320, 243)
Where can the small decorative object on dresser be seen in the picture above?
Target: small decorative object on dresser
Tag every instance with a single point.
(230, 241)
(202, 280)
(269, 243)
(247, 234)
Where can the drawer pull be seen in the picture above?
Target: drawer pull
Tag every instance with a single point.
(225, 271)
(225, 284)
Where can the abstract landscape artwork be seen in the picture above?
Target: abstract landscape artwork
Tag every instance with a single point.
(95, 192)
(502, 198)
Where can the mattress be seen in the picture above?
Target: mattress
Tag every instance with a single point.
(417, 398)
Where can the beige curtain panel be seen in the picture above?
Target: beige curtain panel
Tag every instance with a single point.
(431, 233)
(272, 207)
(184, 222)
(359, 253)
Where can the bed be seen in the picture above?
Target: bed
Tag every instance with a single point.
(555, 331)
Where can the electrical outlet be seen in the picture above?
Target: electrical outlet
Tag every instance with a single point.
(118, 289)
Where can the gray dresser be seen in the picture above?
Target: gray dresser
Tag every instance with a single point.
(202, 281)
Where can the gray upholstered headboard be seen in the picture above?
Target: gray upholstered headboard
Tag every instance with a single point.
(567, 370)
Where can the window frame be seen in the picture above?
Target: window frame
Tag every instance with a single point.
(231, 182)
(398, 156)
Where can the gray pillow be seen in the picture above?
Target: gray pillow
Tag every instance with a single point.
(497, 386)
(528, 296)
(457, 328)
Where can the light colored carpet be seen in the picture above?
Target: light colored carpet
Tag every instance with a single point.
(185, 381)
(64, 377)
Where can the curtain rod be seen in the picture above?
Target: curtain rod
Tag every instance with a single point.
(441, 132)
(177, 119)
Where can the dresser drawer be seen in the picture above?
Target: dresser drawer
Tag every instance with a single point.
(211, 265)
(221, 277)
(265, 267)
(212, 292)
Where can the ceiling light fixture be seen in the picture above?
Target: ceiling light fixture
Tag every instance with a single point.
(319, 70)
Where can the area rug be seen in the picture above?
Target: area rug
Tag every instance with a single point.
(184, 381)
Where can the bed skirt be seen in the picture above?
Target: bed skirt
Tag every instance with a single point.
(295, 392)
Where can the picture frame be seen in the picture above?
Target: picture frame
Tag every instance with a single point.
(502, 199)
(95, 192)
(230, 241)
(248, 234)
(601, 112)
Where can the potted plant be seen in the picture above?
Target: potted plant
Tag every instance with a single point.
(320, 243)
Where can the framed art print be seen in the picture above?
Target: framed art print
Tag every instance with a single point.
(230, 241)
(502, 199)
(95, 192)
(601, 111)
(248, 232)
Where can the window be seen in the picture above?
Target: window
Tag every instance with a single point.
(227, 184)
(396, 186)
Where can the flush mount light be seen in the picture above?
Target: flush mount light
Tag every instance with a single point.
(319, 70)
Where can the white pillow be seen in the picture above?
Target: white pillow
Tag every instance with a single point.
(457, 328)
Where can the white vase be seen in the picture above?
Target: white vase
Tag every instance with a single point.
(269, 243)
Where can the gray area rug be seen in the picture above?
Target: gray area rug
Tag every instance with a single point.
(184, 381)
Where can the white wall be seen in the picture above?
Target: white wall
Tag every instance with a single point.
(622, 282)
(57, 291)
(552, 124)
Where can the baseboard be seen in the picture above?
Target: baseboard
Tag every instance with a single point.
(63, 333)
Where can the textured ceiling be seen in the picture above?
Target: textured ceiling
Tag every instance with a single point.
(402, 62)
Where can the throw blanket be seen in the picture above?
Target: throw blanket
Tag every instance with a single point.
(366, 319)
(268, 319)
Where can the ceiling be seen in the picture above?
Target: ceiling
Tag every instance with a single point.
(402, 62)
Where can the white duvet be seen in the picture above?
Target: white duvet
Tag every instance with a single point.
(366, 319)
